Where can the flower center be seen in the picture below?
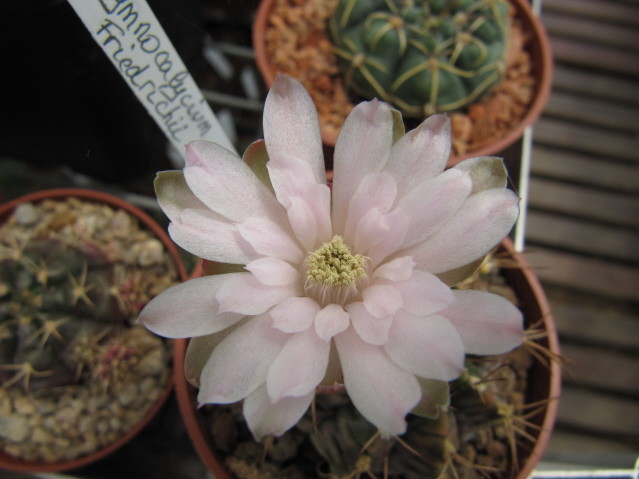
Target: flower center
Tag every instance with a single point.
(332, 271)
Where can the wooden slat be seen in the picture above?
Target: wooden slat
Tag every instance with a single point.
(591, 84)
(590, 30)
(599, 412)
(601, 369)
(609, 145)
(576, 168)
(587, 275)
(574, 52)
(584, 202)
(621, 13)
(594, 322)
(593, 112)
(593, 451)
(582, 237)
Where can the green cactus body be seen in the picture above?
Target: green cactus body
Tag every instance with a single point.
(422, 56)
(53, 293)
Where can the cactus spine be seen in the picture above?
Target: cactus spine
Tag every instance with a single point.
(422, 56)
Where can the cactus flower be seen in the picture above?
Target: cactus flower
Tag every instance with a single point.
(349, 285)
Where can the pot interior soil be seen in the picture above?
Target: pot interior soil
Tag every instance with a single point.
(298, 44)
(96, 376)
(488, 430)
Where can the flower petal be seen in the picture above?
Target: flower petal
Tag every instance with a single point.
(188, 309)
(174, 195)
(433, 202)
(382, 299)
(299, 367)
(239, 364)
(396, 226)
(199, 351)
(291, 125)
(376, 191)
(399, 269)
(382, 391)
(210, 236)
(429, 347)
(371, 329)
(486, 172)
(243, 293)
(424, 294)
(265, 418)
(362, 147)
(273, 271)
(486, 322)
(482, 221)
(226, 184)
(307, 202)
(294, 314)
(421, 153)
(370, 229)
(378, 235)
(270, 239)
(331, 320)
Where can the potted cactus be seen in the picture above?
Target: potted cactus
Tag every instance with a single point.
(356, 329)
(493, 422)
(78, 378)
(487, 63)
(424, 57)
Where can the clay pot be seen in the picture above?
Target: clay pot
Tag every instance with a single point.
(538, 47)
(544, 383)
(15, 464)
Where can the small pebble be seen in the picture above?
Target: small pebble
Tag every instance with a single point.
(127, 395)
(24, 405)
(26, 214)
(14, 428)
(153, 363)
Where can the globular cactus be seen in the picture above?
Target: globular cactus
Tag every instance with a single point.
(422, 56)
(475, 427)
(52, 295)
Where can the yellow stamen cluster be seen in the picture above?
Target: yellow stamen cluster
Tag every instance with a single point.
(333, 264)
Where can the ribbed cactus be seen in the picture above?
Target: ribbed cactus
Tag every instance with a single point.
(473, 434)
(475, 427)
(423, 56)
(73, 277)
(53, 298)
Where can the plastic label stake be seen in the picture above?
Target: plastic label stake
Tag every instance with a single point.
(132, 38)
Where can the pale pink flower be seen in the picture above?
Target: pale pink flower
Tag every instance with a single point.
(338, 285)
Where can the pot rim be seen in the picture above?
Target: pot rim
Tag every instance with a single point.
(6, 209)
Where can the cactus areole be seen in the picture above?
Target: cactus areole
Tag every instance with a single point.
(423, 56)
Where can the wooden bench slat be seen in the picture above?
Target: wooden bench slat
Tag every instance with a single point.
(599, 412)
(595, 56)
(594, 112)
(595, 84)
(606, 10)
(581, 237)
(600, 369)
(610, 145)
(590, 30)
(584, 202)
(592, 321)
(576, 168)
(592, 450)
(587, 275)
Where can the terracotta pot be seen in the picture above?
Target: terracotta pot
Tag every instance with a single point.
(540, 52)
(543, 383)
(12, 463)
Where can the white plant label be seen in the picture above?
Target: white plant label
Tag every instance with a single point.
(132, 38)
